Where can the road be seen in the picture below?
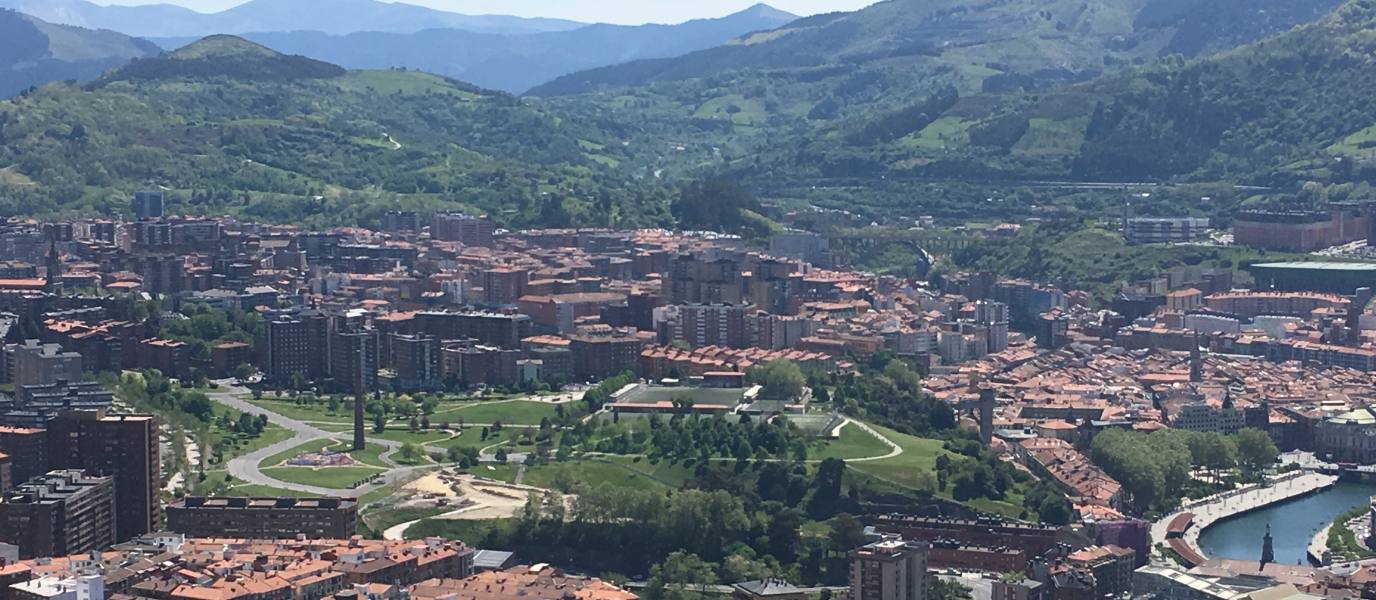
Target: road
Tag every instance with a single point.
(245, 468)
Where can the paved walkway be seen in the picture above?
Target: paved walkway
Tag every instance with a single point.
(246, 468)
(1228, 504)
(1319, 545)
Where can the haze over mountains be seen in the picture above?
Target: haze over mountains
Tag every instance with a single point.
(335, 17)
(513, 63)
(34, 52)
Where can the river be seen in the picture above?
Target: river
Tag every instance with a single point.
(1293, 525)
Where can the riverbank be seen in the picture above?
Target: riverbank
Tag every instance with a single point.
(1238, 502)
(1318, 548)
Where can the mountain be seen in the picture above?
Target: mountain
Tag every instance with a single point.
(335, 17)
(34, 52)
(514, 63)
(1292, 112)
(997, 45)
(230, 127)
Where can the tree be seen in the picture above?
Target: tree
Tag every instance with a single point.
(334, 405)
(1056, 510)
(826, 488)
(379, 423)
(484, 434)
(781, 378)
(501, 455)
(243, 372)
(298, 381)
(847, 532)
(1255, 450)
(410, 451)
(684, 569)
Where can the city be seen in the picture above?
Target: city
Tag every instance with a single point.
(186, 390)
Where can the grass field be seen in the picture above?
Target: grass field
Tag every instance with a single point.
(263, 491)
(853, 442)
(335, 478)
(915, 468)
(941, 133)
(244, 444)
(673, 473)
(307, 412)
(1045, 136)
(594, 473)
(311, 446)
(463, 530)
(508, 412)
(408, 83)
(371, 454)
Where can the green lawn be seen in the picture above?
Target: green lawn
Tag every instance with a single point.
(853, 442)
(402, 434)
(674, 473)
(290, 453)
(463, 530)
(263, 491)
(380, 520)
(335, 478)
(473, 436)
(594, 473)
(914, 468)
(511, 412)
(371, 454)
(245, 444)
(306, 412)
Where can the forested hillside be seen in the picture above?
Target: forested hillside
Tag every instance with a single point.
(1291, 108)
(229, 126)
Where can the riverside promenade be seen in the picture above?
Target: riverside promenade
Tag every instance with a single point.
(1228, 504)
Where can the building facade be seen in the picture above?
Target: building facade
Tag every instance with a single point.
(264, 518)
(892, 569)
(60, 513)
(123, 447)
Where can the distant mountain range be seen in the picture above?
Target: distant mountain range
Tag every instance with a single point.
(34, 52)
(334, 17)
(512, 63)
(997, 46)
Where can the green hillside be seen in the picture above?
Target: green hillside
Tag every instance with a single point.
(847, 76)
(1291, 108)
(230, 127)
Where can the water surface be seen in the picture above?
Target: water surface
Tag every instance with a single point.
(1292, 523)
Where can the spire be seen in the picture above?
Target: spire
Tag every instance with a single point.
(1268, 552)
(54, 265)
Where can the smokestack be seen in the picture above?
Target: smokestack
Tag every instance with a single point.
(359, 401)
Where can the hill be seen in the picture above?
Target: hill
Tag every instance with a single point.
(1278, 112)
(226, 56)
(335, 17)
(34, 52)
(227, 126)
(994, 46)
(514, 63)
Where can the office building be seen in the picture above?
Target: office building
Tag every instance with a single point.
(353, 359)
(285, 348)
(416, 359)
(1158, 230)
(148, 205)
(458, 227)
(264, 518)
(27, 449)
(891, 569)
(35, 363)
(401, 221)
(701, 325)
(60, 513)
(125, 447)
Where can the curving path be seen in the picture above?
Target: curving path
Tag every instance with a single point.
(895, 449)
(246, 468)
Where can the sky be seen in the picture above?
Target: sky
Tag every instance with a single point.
(624, 12)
